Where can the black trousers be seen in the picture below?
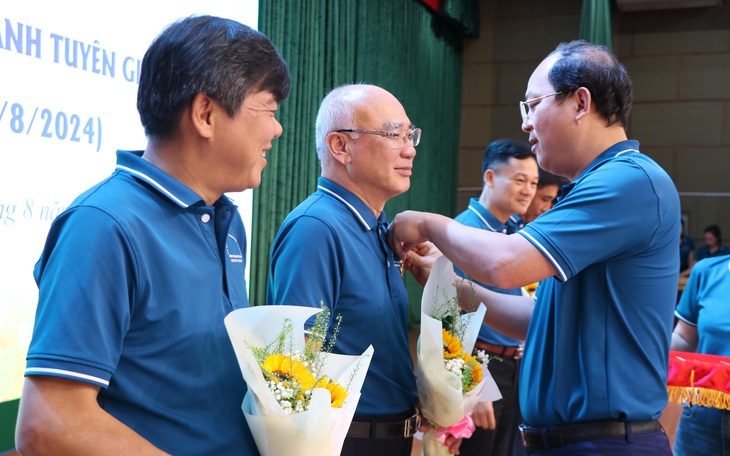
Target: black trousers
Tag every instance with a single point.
(394, 444)
(497, 442)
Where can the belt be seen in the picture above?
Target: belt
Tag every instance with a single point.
(545, 438)
(498, 350)
(374, 429)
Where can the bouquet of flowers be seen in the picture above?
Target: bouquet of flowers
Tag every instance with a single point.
(301, 397)
(450, 380)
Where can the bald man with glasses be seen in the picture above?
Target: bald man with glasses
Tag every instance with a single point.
(332, 249)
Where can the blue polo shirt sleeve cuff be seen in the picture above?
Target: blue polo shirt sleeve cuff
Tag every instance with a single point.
(684, 319)
(550, 253)
(68, 370)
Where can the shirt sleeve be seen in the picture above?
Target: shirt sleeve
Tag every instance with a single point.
(611, 212)
(305, 265)
(85, 279)
(688, 307)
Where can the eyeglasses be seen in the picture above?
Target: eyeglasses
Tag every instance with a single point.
(399, 139)
(527, 104)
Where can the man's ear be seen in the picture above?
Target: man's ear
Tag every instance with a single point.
(489, 178)
(203, 112)
(339, 148)
(583, 101)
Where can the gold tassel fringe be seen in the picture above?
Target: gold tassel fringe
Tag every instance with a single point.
(699, 396)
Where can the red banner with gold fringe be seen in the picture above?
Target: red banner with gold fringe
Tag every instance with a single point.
(699, 379)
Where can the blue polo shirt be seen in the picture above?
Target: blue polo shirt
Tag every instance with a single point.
(515, 223)
(478, 216)
(597, 346)
(704, 305)
(134, 282)
(332, 249)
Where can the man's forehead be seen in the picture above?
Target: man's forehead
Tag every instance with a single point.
(514, 165)
(551, 189)
(264, 97)
(383, 116)
(539, 82)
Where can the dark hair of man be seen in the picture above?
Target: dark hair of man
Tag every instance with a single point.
(715, 230)
(547, 178)
(594, 67)
(500, 151)
(219, 57)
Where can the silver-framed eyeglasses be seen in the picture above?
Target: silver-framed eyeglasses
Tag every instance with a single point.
(412, 137)
(527, 104)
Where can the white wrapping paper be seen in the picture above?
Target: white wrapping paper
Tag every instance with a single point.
(321, 429)
(439, 391)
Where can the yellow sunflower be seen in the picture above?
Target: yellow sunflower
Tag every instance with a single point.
(337, 392)
(476, 367)
(286, 368)
(452, 345)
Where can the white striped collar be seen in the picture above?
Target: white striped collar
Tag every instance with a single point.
(154, 183)
(348, 205)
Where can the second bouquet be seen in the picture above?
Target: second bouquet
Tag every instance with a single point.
(451, 381)
(301, 398)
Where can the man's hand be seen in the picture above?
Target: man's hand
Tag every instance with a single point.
(453, 444)
(404, 232)
(419, 261)
(483, 415)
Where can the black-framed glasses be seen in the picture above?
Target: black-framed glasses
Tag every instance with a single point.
(399, 139)
(527, 104)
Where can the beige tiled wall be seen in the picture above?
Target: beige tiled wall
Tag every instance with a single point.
(679, 61)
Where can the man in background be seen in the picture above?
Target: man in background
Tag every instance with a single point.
(332, 249)
(510, 177)
(130, 354)
(594, 371)
(548, 189)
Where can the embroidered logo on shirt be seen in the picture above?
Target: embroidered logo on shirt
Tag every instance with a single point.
(233, 249)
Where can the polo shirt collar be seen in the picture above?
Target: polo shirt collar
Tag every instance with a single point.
(489, 221)
(358, 208)
(131, 162)
(620, 148)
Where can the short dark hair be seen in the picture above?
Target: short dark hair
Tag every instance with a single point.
(593, 66)
(500, 151)
(715, 230)
(547, 178)
(219, 57)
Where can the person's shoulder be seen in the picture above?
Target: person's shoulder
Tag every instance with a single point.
(312, 221)
(463, 216)
(639, 161)
(112, 196)
(710, 263)
(317, 206)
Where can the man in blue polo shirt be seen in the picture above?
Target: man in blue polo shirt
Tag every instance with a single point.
(594, 371)
(510, 179)
(130, 354)
(332, 249)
